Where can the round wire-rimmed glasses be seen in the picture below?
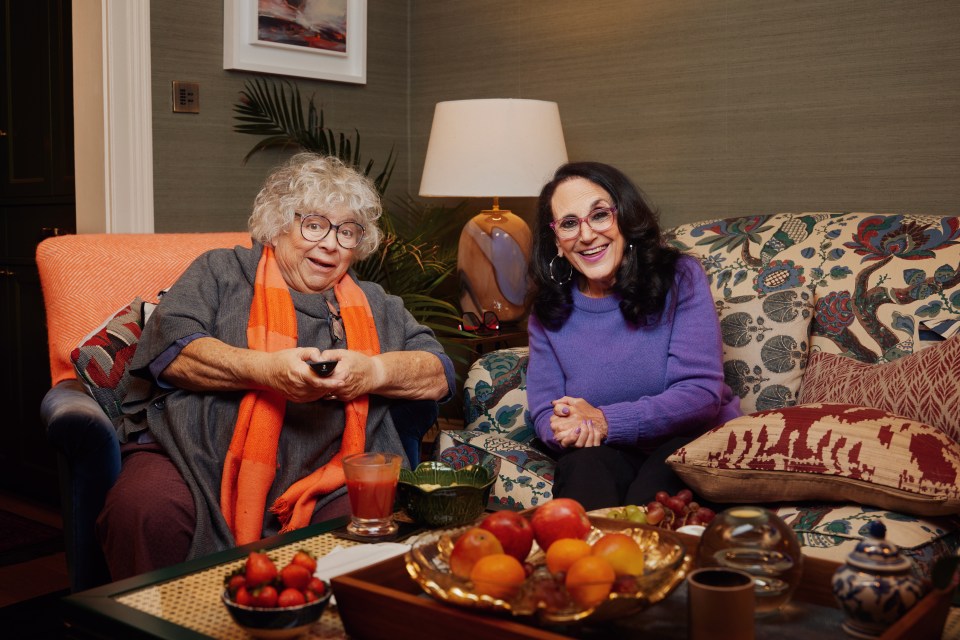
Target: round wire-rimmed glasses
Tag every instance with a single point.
(600, 219)
(315, 227)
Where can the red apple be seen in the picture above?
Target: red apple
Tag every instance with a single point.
(512, 530)
(559, 518)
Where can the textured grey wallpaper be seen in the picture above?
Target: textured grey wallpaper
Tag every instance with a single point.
(720, 107)
(715, 107)
(200, 183)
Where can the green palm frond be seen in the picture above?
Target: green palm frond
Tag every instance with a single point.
(266, 109)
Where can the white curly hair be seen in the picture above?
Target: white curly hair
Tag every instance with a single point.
(310, 182)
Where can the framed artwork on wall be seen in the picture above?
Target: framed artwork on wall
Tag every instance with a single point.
(322, 39)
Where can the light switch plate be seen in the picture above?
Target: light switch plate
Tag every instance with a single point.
(186, 97)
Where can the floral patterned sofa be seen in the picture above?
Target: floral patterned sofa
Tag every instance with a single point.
(874, 290)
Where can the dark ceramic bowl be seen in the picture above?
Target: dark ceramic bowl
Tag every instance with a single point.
(436, 495)
(279, 622)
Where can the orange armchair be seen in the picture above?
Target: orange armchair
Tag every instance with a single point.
(85, 280)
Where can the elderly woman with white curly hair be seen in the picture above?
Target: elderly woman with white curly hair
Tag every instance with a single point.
(228, 434)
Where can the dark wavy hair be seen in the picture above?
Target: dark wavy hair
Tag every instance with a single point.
(646, 273)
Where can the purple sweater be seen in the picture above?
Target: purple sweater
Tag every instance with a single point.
(651, 382)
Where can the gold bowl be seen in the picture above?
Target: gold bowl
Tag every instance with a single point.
(666, 564)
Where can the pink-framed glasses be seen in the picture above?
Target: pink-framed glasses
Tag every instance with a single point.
(599, 220)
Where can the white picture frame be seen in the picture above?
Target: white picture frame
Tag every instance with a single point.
(244, 50)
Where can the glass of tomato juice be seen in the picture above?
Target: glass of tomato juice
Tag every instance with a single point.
(372, 487)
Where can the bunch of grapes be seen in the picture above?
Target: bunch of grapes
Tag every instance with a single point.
(542, 591)
(669, 512)
(677, 511)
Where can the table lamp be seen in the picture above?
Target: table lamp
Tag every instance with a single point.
(493, 148)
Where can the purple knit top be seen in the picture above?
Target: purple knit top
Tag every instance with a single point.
(652, 383)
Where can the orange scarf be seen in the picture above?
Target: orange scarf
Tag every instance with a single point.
(251, 461)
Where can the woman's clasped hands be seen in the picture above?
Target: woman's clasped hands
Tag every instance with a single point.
(577, 424)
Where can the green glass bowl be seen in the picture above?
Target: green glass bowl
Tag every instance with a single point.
(437, 495)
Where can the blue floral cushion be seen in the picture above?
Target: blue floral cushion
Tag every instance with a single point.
(495, 395)
(524, 474)
(832, 531)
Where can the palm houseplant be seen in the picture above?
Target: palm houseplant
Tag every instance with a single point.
(418, 254)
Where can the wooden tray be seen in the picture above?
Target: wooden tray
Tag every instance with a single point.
(382, 601)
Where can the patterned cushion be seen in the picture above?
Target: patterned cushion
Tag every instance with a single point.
(495, 395)
(825, 452)
(878, 277)
(750, 255)
(102, 358)
(765, 346)
(831, 532)
(763, 298)
(875, 277)
(524, 474)
(941, 329)
(923, 386)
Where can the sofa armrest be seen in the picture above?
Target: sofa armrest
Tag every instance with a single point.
(76, 424)
(89, 464)
(495, 395)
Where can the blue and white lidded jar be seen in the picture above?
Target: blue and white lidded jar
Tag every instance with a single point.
(875, 586)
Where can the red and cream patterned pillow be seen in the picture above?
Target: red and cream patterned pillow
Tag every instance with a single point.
(829, 452)
(103, 358)
(924, 386)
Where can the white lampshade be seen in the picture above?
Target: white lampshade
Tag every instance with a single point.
(492, 148)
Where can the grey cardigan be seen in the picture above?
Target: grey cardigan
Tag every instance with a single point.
(213, 298)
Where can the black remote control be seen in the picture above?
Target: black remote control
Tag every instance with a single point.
(324, 367)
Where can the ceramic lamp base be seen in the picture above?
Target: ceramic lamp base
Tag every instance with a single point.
(492, 260)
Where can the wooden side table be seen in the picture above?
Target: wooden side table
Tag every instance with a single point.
(512, 337)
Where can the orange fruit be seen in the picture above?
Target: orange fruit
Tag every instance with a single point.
(564, 552)
(622, 552)
(474, 544)
(589, 580)
(498, 575)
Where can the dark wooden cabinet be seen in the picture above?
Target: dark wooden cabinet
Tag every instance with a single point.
(36, 201)
(37, 114)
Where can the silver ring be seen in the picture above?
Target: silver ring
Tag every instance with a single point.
(331, 397)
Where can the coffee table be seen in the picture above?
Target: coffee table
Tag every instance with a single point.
(183, 602)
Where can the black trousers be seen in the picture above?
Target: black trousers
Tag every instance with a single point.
(604, 476)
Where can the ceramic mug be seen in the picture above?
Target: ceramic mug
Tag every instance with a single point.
(720, 604)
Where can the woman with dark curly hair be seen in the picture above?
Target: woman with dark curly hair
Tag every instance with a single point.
(625, 352)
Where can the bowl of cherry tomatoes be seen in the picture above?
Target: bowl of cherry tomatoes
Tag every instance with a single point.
(268, 602)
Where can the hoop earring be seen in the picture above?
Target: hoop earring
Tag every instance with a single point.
(565, 280)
